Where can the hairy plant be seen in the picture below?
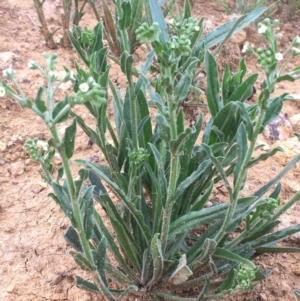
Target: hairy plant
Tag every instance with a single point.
(164, 237)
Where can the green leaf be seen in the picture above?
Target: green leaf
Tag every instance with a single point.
(226, 91)
(163, 128)
(196, 249)
(219, 34)
(82, 176)
(267, 249)
(40, 104)
(77, 46)
(69, 139)
(227, 122)
(199, 203)
(230, 33)
(157, 257)
(145, 268)
(181, 138)
(244, 90)
(62, 196)
(58, 108)
(86, 285)
(208, 249)
(276, 237)
(191, 179)
(99, 256)
(154, 14)
(89, 131)
(73, 239)
(212, 92)
(125, 21)
(113, 271)
(82, 261)
(258, 232)
(221, 253)
(187, 12)
(125, 240)
(112, 245)
(264, 156)
(273, 109)
(87, 211)
(259, 193)
(145, 127)
(126, 65)
(98, 44)
(229, 282)
(242, 148)
(286, 77)
(197, 218)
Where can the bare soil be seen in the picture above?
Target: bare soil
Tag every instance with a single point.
(34, 263)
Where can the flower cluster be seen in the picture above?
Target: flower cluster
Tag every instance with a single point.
(266, 211)
(137, 157)
(146, 32)
(185, 27)
(245, 276)
(180, 45)
(36, 148)
(268, 57)
(180, 42)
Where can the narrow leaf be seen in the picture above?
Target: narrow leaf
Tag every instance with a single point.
(212, 93)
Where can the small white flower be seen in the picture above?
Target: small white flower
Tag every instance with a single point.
(8, 73)
(32, 65)
(262, 29)
(2, 91)
(246, 48)
(197, 28)
(171, 21)
(42, 145)
(279, 56)
(84, 87)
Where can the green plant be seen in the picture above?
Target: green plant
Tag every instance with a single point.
(164, 238)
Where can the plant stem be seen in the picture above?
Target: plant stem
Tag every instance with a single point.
(47, 34)
(71, 186)
(172, 178)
